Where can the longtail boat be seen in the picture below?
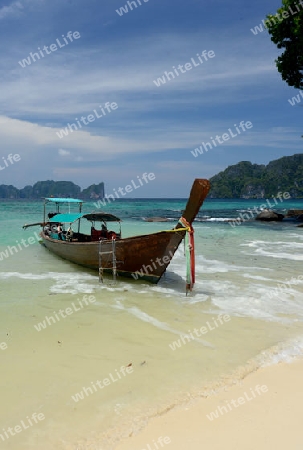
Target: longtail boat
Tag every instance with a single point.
(143, 257)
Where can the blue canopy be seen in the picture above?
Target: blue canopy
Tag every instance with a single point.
(66, 218)
(64, 200)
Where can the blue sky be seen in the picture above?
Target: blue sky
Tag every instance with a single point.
(154, 129)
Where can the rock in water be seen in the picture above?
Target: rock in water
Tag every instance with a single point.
(296, 214)
(269, 215)
(156, 219)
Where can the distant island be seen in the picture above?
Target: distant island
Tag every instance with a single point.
(247, 180)
(52, 188)
(242, 180)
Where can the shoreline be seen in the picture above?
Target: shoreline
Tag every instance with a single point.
(261, 411)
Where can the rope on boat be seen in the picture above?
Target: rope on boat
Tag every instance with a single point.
(174, 230)
(190, 254)
(189, 244)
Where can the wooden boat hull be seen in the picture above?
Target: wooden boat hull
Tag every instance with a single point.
(136, 256)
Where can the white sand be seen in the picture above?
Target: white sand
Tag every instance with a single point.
(263, 421)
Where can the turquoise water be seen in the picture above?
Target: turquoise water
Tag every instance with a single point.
(240, 272)
(14, 213)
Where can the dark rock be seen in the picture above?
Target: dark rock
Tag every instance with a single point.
(269, 215)
(296, 214)
(156, 219)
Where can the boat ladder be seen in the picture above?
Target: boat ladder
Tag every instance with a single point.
(105, 257)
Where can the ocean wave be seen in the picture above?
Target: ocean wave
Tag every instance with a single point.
(275, 249)
(245, 293)
(65, 283)
(218, 219)
(141, 315)
(286, 352)
(47, 275)
(257, 277)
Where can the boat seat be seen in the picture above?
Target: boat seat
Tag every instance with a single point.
(56, 236)
(95, 234)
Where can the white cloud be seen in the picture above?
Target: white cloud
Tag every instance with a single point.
(75, 80)
(13, 9)
(17, 8)
(82, 145)
(63, 152)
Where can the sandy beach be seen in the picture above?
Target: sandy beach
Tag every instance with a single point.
(263, 411)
